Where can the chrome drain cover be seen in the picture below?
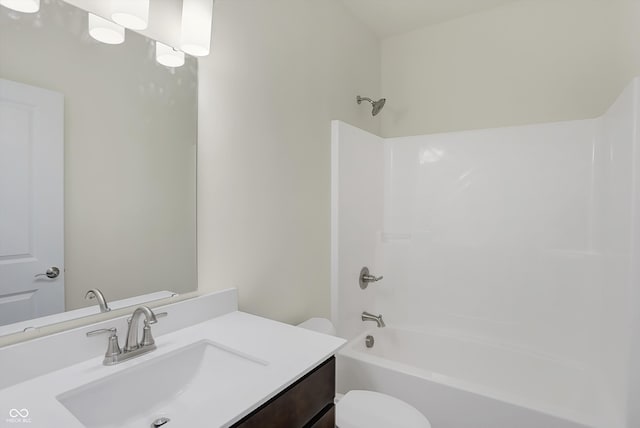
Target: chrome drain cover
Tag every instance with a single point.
(159, 422)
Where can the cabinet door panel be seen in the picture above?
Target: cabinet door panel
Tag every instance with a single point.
(298, 405)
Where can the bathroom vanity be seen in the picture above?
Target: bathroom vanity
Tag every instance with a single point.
(306, 403)
(214, 366)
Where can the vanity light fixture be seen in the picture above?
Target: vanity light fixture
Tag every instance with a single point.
(133, 14)
(168, 56)
(196, 26)
(105, 31)
(26, 6)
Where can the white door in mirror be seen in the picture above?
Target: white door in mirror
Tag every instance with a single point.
(31, 202)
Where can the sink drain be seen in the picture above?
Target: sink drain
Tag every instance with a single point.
(159, 422)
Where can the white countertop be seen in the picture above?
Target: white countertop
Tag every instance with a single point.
(289, 351)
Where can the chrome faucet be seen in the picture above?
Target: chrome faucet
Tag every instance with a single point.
(366, 316)
(132, 348)
(132, 332)
(95, 293)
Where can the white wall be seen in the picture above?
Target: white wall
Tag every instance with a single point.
(530, 61)
(280, 71)
(130, 130)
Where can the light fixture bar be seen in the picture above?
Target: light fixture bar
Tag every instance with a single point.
(26, 6)
(197, 16)
(168, 56)
(133, 14)
(105, 31)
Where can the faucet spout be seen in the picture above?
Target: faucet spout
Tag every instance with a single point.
(132, 333)
(366, 316)
(133, 348)
(95, 293)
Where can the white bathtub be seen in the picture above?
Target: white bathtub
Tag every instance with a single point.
(460, 383)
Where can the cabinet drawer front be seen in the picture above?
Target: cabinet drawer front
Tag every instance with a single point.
(296, 406)
(328, 420)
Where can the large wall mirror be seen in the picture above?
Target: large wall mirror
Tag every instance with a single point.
(97, 169)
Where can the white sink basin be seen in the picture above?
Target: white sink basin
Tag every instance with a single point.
(188, 384)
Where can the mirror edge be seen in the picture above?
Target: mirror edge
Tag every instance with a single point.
(15, 338)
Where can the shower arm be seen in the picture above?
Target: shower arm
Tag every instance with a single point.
(360, 99)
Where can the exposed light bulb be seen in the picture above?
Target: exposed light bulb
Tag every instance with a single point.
(132, 14)
(105, 31)
(196, 26)
(26, 6)
(168, 56)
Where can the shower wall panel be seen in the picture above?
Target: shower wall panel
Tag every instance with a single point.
(492, 234)
(357, 206)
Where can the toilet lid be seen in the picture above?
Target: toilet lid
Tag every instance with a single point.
(368, 409)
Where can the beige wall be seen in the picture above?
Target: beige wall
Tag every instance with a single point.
(279, 72)
(530, 61)
(130, 132)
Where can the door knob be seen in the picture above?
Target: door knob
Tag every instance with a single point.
(51, 273)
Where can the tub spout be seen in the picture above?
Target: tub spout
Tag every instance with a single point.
(366, 316)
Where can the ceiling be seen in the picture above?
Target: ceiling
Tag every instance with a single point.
(390, 17)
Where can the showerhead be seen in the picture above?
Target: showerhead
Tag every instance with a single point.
(377, 105)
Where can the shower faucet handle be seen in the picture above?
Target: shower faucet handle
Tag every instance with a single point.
(366, 278)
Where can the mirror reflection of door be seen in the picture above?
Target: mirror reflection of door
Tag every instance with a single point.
(31, 202)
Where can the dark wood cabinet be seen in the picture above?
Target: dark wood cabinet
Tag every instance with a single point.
(308, 403)
(326, 419)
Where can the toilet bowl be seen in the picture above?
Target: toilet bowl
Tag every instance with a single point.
(360, 409)
(369, 409)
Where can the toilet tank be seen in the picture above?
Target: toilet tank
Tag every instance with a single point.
(321, 325)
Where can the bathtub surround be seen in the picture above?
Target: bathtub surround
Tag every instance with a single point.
(517, 238)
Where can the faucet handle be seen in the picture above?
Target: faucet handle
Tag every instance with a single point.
(112, 330)
(147, 337)
(365, 278)
(160, 315)
(113, 348)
